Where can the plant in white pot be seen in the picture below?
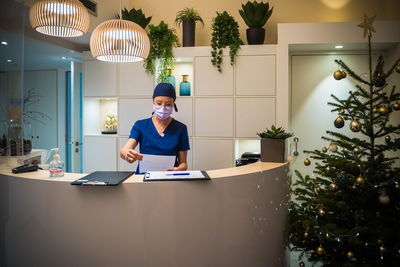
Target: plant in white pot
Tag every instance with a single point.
(273, 144)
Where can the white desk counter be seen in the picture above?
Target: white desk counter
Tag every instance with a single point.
(235, 219)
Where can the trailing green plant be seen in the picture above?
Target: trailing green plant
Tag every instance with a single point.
(254, 14)
(162, 39)
(275, 133)
(188, 14)
(225, 33)
(135, 15)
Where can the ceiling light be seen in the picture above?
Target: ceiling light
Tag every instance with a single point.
(61, 18)
(119, 40)
(9, 60)
(339, 46)
(4, 43)
(63, 57)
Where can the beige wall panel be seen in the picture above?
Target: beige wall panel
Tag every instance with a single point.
(185, 112)
(214, 117)
(100, 153)
(131, 110)
(99, 78)
(255, 75)
(134, 81)
(211, 154)
(253, 115)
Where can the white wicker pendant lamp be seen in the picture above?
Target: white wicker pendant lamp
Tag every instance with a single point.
(61, 18)
(119, 40)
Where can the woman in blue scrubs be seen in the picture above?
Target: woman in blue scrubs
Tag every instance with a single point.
(160, 134)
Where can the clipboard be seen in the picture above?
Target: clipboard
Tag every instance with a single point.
(176, 176)
(103, 178)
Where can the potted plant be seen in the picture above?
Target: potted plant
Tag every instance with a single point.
(136, 16)
(162, 39)
(255, 15)
(188, 17)
(273, 144)
(225, 33)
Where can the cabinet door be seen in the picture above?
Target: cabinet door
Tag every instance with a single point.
(99, 78)
(255, 75)
(253, 115)
(211, 154)
(131, 110)
(214, 117)
(134, 81)
(208, 81)
(100, 153)
(123, 165)
(185, 112)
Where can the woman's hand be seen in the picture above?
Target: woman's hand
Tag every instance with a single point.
(131, 156)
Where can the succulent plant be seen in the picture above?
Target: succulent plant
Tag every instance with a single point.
(136, 16)
(254, 14)
(275, 133)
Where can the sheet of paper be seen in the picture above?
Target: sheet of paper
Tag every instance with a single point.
(156, 163)
(176, 175)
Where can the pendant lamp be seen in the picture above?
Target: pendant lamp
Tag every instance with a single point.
(61, 18)
(119, 40)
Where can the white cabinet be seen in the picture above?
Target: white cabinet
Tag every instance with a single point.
(253, 115)
(207, 79)
(134, 81)
(255, 75)
(185, 112)
(99, 78)
(209, 154)
(100, 153)
(214, 117)
(131, 110)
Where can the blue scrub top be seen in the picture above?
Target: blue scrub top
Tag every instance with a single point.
(175, 138)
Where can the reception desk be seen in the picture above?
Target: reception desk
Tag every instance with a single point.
(235, 219)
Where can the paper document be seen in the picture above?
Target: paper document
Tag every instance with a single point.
(156, 163)
(175, 175)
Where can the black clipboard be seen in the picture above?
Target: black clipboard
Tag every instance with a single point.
(174, 178)
(105, 178)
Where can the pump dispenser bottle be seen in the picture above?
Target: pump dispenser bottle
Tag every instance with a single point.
(56, 167)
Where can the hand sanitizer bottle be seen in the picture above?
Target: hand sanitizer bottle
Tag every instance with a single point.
(56, 167)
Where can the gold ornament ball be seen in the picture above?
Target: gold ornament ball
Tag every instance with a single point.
(338, 75)
(324, 149)
(328, 169)
(320, 250)
(321, 212)
(341, 111)
(381, 248)
(355, 126)
(344, 74)
(398, 68)
(354, 187)
(396, 106)
(383, 110)
(360, 180)
(379, 241)
(350, 254)
(384, 199)
(301, 264)
(397, 186)
(307, 162)
(387, 138)
(305, 234)
(374, 110)
(318, 189)
(333, 187)
(356, 150)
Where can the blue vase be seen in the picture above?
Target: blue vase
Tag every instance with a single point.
(184, 87)
(170, 78)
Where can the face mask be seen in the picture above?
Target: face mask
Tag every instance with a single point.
(162, 112)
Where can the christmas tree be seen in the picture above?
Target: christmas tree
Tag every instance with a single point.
(349, 214)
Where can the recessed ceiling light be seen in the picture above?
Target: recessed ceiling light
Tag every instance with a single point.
(339, 46)
(9, 60)
(4, 43)
(63, 57)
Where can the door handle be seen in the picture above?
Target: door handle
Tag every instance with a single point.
(78, 144)
(296, 140)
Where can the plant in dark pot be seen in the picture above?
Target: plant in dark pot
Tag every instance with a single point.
(273, 144)
(135, 15)
(188, 17)
(255, 15)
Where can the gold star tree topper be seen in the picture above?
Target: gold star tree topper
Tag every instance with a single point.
(367, 25)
